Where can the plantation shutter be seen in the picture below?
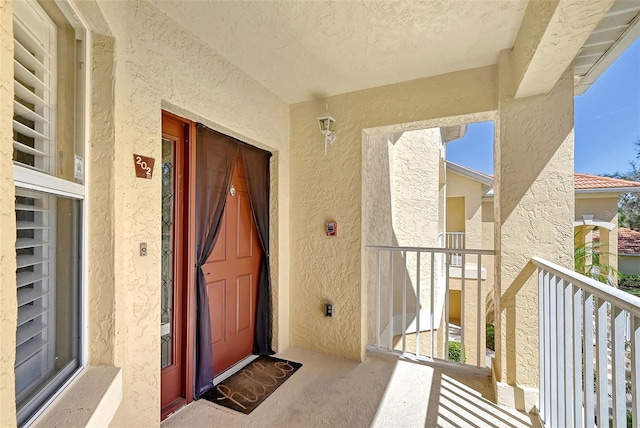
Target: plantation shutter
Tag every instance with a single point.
(34, 78)
(33, 147)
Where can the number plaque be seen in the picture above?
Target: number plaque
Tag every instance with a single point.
(144, 166)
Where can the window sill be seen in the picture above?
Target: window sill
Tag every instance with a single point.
(90, 400)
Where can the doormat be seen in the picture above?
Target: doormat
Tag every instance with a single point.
(245, 390)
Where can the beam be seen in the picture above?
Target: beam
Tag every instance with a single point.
(550, 37)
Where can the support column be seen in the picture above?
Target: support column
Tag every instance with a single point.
(533, 211)
(609, 251)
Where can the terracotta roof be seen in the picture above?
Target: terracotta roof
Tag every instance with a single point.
(628, 241)
(588, 181)
(582, 182)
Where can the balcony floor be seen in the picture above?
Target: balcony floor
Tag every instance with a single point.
(383, 391)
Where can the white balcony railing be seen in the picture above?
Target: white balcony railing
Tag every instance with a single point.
(588, 371)
(453, 240)
(412, 298)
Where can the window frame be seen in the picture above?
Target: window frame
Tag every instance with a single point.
(31, 179)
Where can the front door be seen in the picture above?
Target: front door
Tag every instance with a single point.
(231, 273)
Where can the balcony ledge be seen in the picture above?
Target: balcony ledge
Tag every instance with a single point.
(470, 271)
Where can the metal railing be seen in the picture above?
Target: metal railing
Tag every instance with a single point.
(588, 371)
(453, 240)
(422, 290)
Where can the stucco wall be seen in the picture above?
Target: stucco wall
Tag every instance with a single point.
(534, 211)
(471, 191)
(415, 207)
(629, 265)
(331, 188)
(8, 302)
(159, 65)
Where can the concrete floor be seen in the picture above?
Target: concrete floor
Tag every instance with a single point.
(383, 391)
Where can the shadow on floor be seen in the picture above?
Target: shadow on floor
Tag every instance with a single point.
(382, 391)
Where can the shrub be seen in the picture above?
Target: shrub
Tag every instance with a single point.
(491, 340)
(455, 352)
(629, 281)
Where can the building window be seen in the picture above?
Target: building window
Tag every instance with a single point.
(48, 155)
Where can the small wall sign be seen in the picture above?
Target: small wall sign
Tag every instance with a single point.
(144, 166)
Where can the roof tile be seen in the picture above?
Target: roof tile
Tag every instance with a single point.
(628, 241)
(588, 181)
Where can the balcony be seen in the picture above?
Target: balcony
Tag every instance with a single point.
(406, 379)
(382, 391)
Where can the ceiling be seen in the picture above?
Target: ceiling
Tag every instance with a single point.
(304, 50)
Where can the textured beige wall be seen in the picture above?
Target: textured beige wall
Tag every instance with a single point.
(534, 211)
(415, 194)
(331, 188)
(159, 65)
(601, 208)
(455, 214)
(100, 176)
(377, 221)
(8, 302)
(459, 186)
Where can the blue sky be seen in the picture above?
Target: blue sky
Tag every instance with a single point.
(607, 122)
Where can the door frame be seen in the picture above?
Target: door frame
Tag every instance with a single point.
(188, 259)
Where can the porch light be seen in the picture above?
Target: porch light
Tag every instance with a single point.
(326, 123)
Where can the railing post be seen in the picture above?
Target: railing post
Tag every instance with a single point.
(542, 320)
(482, 352)
(588, 374)
(569, 332)
(418, 303)
(390, 304)
(602, 389)
(432, 302)
(619, 399)
(577, 355)
(378, 313)
(404, 303)
(635, 370)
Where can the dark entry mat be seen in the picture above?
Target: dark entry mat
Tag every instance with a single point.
(245, 390)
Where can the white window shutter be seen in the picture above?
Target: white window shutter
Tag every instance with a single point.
(34, 147)
(34, 84)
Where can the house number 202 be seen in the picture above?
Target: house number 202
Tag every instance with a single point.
(144, 166)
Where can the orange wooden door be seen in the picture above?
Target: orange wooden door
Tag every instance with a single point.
(231, 274)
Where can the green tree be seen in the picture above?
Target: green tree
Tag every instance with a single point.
(629, 203)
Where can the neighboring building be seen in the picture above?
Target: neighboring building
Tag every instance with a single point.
(126, 126)
(470, 218)
(628, 251)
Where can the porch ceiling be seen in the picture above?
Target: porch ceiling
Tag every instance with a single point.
(304, 50)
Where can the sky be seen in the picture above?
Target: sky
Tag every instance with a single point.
(607, 122)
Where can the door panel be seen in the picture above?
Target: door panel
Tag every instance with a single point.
(235, 261)
(244, 302)
(245, 229)
(219, 253)
(217, 310)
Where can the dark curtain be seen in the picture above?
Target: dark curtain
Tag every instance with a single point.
(256, 170)
(216, 158)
